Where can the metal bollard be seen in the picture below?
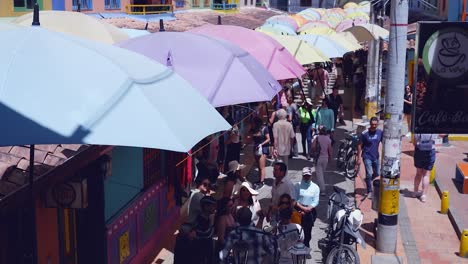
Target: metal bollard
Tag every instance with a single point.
(375, 195)
(432, 175)
(464, 244)
(444, 202)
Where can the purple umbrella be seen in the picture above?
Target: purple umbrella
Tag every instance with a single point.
(224, 73)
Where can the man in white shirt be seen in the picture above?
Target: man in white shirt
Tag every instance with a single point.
(284, 135)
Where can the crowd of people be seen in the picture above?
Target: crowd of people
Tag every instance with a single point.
(224, 217)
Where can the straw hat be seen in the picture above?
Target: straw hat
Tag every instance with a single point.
(235, 166)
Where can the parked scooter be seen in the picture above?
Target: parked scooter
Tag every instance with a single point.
(343, 230)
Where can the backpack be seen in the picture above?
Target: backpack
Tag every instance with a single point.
(425, 142)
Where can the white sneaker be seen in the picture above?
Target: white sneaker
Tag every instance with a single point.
(369, 195)
(408, 134)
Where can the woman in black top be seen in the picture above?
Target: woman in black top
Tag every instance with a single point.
(261, 139)
(408, 99)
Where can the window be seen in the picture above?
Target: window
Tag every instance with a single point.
(84, 4)
(112, 4)
(152, 167)
(25, 5)
(306, 2)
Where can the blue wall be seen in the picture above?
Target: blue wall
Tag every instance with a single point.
(58, 5)
(454, 10)
(126, 180)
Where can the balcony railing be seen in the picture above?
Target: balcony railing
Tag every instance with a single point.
(148, 9)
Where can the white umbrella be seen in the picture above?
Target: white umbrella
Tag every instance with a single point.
(82, 92)
(326, 45)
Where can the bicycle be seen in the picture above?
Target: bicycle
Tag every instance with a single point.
(347, 155)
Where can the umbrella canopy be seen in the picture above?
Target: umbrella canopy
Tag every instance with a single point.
(76, 24)
(345, 24)
(368, 32)
(350, 5)
(318, 31)
(314, 24)
(310, 14)
(358, 14)
(222, 72)
(272, 55)
(99, 94)
(286, 20)
(348, 43)
(272, 29)
(7, 26)
(302, 51)
(284, 23)
(134, 33)
(327, 46)
(300, 20)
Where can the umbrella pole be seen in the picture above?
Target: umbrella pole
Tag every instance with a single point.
(33, 206)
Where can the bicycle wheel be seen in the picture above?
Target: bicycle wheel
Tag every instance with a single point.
(344, 255)
(351, 167)
(340, 157)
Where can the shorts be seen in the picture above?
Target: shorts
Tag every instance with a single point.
(265, 150)
(424, 159)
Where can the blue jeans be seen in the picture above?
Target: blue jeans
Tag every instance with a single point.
(372, 172)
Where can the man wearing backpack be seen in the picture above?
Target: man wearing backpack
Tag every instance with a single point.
(368, 150)
(424, 159)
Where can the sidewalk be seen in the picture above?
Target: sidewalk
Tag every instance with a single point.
(424, 235)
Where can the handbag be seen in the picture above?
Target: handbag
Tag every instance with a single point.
(259, 150)
(296, 217)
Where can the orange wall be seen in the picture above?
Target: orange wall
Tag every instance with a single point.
(47, 234)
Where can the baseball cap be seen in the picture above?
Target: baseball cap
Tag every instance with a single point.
(306, 171)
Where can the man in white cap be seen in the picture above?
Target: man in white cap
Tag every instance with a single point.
(307, 198)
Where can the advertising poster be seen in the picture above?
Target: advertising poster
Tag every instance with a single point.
(440, 101)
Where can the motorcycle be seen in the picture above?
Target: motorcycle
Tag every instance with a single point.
(343, 230)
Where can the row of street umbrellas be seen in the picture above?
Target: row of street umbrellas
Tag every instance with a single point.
(155, 90)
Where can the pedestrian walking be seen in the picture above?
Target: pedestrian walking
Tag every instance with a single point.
(194, 206)
(281, 186)
(323, 145)
(325, 118)
(284, 135)
(184, 244)
(247, 197)
(336, 104)
(261, 138)
(307, 120)
(258, 245)
(424, 159)
(204, 228)
(289, 234)
(368, 150)
(407, 106)
(318, 82)
(306, 194)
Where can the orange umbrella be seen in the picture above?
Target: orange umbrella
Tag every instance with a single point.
(300, 20)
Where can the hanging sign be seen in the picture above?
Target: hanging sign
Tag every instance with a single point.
(441, 83)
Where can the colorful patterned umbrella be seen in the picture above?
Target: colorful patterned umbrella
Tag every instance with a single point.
(301, 50)
(315, 24)
(300, 20)
(318, 31)
(290, 24)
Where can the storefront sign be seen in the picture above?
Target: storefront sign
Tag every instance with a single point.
(441, 85)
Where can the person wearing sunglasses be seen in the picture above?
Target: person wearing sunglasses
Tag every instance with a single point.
(307, 198)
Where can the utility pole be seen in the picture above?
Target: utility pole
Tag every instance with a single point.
(390, 176)
(372, 73)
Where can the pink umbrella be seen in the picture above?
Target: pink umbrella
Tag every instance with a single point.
(221, 71)
(272, 55)
(348, 23)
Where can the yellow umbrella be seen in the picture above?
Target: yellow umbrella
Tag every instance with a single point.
(357, 14)
(301, 50)
(368, 32)
(314, 24)
(318, 31)
(350, 5)
(76, 24)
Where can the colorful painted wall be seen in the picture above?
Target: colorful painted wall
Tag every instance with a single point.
(47, 234)
(7, 8)
(98, 6)
(126, 181)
